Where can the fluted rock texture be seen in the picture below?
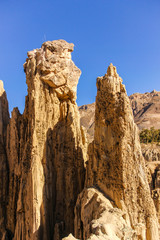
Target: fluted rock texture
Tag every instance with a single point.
(45, 191)
(4, 118)
(116, 166)
(45, 148)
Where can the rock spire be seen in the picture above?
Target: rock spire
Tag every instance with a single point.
(45, 149)
(4, 119)
(116, 168)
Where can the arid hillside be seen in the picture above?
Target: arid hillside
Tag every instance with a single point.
(146, 109)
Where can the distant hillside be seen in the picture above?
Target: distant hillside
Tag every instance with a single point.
(146, 111)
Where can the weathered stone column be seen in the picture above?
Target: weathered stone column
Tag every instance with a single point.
(116, 166)
(45, 149)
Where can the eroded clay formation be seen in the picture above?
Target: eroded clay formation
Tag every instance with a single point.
(46, 192)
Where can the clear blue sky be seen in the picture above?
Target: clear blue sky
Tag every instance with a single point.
(124, 32)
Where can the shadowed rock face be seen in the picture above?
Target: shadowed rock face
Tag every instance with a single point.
(4, 119)
(116, 166)
(45, 149)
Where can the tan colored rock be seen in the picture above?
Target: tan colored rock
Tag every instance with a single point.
(4, 118)
(53, 64)
(45, 148)
(100, 218)
(116, 165)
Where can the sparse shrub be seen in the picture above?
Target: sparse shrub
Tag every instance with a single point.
(150, 135)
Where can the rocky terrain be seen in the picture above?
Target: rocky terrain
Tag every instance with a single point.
(54, 184)
(146, 111)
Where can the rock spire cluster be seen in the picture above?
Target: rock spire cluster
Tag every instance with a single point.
(54, 185)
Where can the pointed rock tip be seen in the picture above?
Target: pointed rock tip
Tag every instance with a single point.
(112, 71)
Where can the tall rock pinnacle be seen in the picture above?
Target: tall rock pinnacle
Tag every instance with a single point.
(4, 119)
(45, 149)
(116, 167)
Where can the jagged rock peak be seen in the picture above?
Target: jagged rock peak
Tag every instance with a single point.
(53, 65)
(111, 80)
(112, 71)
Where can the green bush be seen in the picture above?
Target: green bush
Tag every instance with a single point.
(150, 135)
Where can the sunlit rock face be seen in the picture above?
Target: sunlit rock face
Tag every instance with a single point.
(116, 166)
(53, 64)
(45, 148)
(4, 119)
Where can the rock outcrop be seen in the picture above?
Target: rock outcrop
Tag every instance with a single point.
(97, 217)
(4, 119)
(45, 148)
(116, 166)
